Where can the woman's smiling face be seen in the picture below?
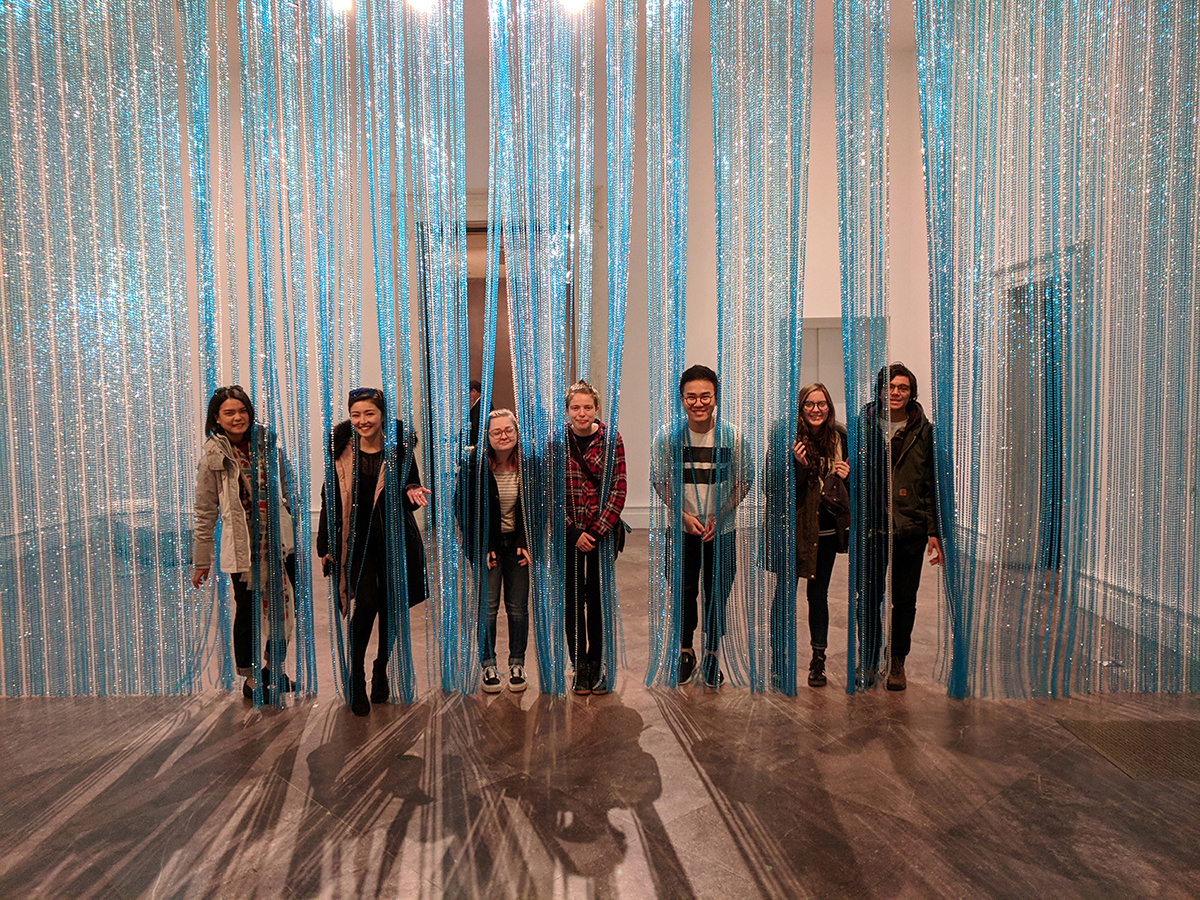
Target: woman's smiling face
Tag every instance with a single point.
(366, 419)
(234, 418)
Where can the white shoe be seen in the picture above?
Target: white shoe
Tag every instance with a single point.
(516, 679)
(491, 680)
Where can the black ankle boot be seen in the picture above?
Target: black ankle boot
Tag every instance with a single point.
(380, 690)
(816, 668)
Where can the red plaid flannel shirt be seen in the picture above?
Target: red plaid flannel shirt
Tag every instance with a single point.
(583, 500)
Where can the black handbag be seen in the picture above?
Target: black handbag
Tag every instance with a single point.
(836, 498)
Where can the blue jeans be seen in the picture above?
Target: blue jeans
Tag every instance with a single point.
(508, 572)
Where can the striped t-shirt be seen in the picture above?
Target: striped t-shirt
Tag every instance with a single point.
(698, 473)
(508, 485)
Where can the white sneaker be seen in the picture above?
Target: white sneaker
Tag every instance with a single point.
(491, 680)
(516, 679)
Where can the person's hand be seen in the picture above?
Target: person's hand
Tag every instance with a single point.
(199, 574)
(586, 543)
(934, 551)
(710, 530)
(417, 495)
(691, 525)
(491, 559)
(326, 565)
(522, 556)
(842, 469)
(800, 453)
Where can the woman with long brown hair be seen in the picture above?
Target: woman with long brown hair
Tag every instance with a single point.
(817, 449)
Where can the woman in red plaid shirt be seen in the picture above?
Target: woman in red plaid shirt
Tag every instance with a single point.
(589, 521)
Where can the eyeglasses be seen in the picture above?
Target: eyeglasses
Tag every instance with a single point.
(693, 399)
(502, 432)
(809, 405)
(365, 394)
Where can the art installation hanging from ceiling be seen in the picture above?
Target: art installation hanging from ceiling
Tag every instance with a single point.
(543, 82)
(97, 452)
(761, 75)
(668, 65)
(862, 67)
(318, 159)
(1062, 196)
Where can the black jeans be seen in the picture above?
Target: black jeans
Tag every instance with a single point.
(243, 620)
(817, 592)
(370, 600)
(908, 555)
(584, 612)
(700, 556)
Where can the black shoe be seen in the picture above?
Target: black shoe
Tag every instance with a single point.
(583, 682)
(599, 683)
(248, 690)
(516, 679)
(380, 690)
(816, 669)
(288, 685)
(687, 665)
(360, 705)
(491, 680)
(713, 677)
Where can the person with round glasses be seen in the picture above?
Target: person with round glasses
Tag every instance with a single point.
(701, 470)
(507, 557)
(810, 453)
(899, 486)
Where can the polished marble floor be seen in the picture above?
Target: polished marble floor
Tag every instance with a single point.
(641, 793)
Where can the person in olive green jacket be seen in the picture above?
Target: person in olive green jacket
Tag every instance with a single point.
(894, 428)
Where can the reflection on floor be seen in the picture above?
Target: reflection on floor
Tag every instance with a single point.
(641, 793)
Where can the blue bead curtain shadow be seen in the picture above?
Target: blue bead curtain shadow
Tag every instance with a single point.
(1062, 196)
(99, 448)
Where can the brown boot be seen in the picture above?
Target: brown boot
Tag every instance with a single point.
(896, 680)
(816, 668)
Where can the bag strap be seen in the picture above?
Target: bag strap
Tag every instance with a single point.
(577, 455)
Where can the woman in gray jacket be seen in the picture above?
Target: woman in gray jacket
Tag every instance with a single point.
(243, 478)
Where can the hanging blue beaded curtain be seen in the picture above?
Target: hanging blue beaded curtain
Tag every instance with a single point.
(433, 72)
(1062, 198)
(861, 29)
(98, 453)
(541, 64)
(761, 62)
(668, 84)
(265, 288)
(620, 68)
(355, 91)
